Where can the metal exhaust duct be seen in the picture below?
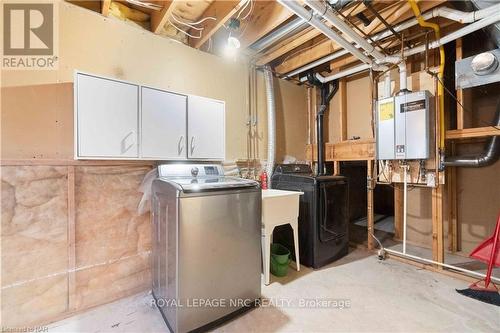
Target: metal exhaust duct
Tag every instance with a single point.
(488, 157)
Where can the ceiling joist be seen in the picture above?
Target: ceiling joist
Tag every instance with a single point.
(401, 14)
(159, 18)
(105, 4)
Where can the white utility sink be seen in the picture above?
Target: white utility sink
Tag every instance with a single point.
(278, 207)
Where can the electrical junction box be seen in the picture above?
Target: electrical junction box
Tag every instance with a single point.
(385, 129)
(403, 127)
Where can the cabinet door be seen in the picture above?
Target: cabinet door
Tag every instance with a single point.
(107, 118)
(206, 128)
(163, 124)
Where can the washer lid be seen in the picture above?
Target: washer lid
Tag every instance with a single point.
(196, 184)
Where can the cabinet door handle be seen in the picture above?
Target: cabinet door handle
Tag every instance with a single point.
(180, 147)
(192, 145)
(124, 142)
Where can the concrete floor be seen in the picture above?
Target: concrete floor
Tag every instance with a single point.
(384, 296)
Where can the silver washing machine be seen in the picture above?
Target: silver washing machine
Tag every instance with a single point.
(206, 245)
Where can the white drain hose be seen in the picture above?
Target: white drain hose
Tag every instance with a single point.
(271, 123)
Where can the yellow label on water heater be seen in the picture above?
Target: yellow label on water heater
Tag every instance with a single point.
(386, 111)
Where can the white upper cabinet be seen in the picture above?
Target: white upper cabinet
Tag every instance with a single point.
(120, 120)
(163, 134)
(206, 128)
(106, 118)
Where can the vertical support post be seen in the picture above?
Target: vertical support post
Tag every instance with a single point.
(343, 109)
(71, 239)
(370, 212)
(336, 167)
(451, 172)
(398, 212)
(437, 225)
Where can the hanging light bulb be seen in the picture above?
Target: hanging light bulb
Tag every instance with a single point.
(232, 46)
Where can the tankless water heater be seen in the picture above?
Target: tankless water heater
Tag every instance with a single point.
(403, 126)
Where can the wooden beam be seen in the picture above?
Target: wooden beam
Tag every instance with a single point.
(315, 51)
(351, 150)
(287, 45)
(266, 16)
(105, 7)
(159, 18)
(475, 132)
(222, 11)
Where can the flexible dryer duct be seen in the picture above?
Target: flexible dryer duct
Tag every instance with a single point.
(271, 122)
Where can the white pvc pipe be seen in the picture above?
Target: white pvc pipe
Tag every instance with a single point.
(300, 11)
(429, 261)
(494, 18)
(402, 76)
(387, 85)
(445, 12)
(405, 206)
(419, 49)
(347, 72)
(322, 10)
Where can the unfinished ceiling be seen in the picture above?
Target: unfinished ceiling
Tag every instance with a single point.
(269, 33)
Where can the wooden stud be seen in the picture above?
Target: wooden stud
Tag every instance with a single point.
(370, 207)
(336, 168)
(159, 18)
(71, 239)
(437, 224)
(398, 211)
(105, 4)
(460, 111)
(222, 11)
(343, 109)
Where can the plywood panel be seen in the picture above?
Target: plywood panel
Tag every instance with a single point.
(37, 121)
(358, 108)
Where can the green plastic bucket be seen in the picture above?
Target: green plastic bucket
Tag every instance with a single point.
(280, 258)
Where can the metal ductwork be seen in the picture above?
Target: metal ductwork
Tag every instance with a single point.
(271, 123)
(494, 30)
(295, 25)
(488, 157)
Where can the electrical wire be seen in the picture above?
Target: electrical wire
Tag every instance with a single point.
(184, 32)
(185, 23)
(243, 8)
(204, 19)
(249, 12)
